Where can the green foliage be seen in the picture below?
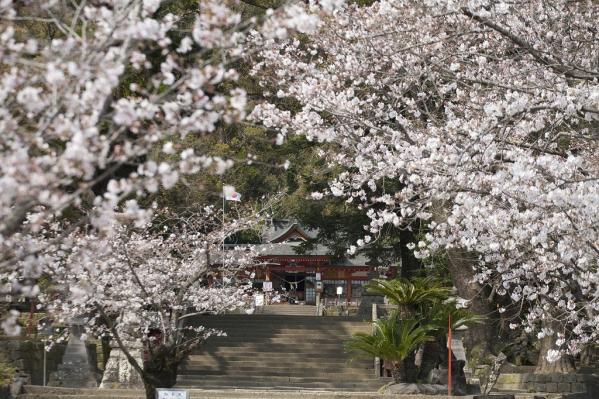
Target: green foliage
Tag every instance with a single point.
(428, 299)
(393, 339)
(438, 313)
(7, 373)
(425, 305)
(403, 292)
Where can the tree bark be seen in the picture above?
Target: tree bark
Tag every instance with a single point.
(564, 365)
(150, 389)
(398, 372)
(431, 357)
(410, 266)
(160, 370)
(479, 337)
(162, 377)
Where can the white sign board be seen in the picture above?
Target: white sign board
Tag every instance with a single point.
(267, 286)
(259, 300)
(458, 349)
(319, 286)
(318, 277)
(162, 393)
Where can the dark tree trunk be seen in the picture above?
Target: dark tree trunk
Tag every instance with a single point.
(460, 263)
(160, 370)
(564, 365)
(431, 357)
(406, 312)
(150, 390)
(398, 372)
(410, 266)
(586, 356)
(165, 378)
(479, 337)
(410, 371)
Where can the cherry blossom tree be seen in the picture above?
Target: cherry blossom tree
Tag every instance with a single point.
(98, 100)
(87, 108)
(142, 286)
(477, 118)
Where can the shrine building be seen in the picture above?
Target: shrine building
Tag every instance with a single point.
(302, 276)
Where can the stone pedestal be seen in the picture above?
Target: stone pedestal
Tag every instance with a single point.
(368, 299)
(75, 371)
(118, 373)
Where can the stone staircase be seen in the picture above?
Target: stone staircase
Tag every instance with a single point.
(278, 352)
(288, 310)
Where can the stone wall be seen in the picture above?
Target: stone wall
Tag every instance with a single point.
(551, 383)
(28, 356)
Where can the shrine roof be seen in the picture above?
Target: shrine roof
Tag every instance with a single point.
(289, 249)
(280, 230)
(283, 237)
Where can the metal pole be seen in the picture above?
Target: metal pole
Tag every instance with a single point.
(44, 348)
(224, 255)
(449, 358)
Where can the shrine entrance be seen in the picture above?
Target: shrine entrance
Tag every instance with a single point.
(293, 285)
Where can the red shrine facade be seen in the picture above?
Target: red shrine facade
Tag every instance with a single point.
(301, 277)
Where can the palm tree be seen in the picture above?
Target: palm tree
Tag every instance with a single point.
(408, 295)
(438, 313)
(392, 339)
(428, 299)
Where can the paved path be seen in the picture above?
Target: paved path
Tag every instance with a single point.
(38, 392)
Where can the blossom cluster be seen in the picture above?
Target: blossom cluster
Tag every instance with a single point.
(96, 101)
(144, 284)
(85, 107)
(484, 116)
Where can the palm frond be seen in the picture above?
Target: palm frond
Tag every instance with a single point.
(392, 339)
(438, 315)
(404, 292)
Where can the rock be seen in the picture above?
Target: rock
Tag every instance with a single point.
(413, 389)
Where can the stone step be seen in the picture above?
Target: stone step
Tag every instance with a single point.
(274, 371)
(292, 333)
(312, 339)
(309, 334)
(293, 387)
(282, 361)
(223, 355)
(277, 345)
(314, 388)
(271, 356)
(274, 319)
(266, 351)
(324, 378)
(320, 323)
(282, 392)
(294, 329)
(289, 310)
(284, 385)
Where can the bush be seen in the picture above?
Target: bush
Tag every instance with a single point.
(7, 372)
